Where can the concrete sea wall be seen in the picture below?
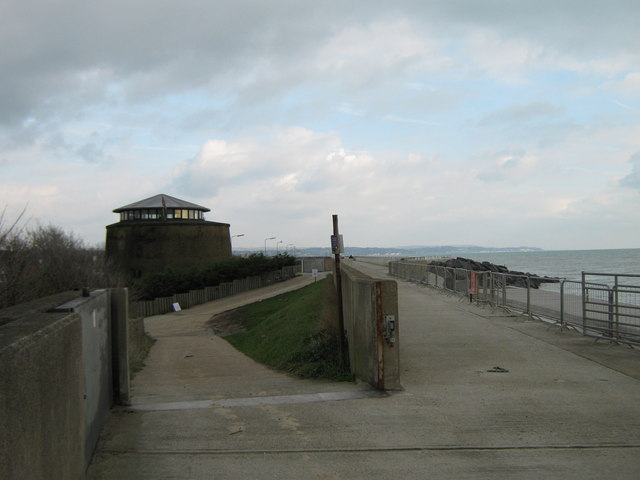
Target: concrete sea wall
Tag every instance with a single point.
(371, 321)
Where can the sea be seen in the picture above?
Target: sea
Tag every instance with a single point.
(568, 264)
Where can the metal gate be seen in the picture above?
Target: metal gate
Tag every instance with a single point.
(611, 307)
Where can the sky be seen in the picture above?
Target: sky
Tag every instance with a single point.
(418, 122)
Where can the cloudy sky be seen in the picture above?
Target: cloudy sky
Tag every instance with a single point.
(418, 122)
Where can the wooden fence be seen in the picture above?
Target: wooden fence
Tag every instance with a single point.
(158, 306)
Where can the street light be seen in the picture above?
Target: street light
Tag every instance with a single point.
(294, 248)
(277, 246)
(235, 236)
(265, 244)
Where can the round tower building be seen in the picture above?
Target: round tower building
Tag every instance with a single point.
(164, 231)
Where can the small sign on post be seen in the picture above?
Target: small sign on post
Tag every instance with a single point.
(314, 274)
(337, 244)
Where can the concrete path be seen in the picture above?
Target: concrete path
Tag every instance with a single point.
(556, 406)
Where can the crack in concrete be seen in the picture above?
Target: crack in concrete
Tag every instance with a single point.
(252, 401)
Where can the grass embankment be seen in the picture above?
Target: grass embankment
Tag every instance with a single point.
(295, 332)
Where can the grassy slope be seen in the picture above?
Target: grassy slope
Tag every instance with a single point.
(293, 332)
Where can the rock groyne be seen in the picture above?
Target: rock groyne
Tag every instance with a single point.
(513, 277)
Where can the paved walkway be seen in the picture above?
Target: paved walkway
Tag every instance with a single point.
(557, 406)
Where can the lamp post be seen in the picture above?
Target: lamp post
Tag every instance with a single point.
(277, 252)
(265, 244)
(294, 248)
(234, 236)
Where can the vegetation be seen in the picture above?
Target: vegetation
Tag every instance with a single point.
(44, 260)
(169, 282)
(295, 332)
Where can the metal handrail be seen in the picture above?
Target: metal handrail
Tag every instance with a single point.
(574, 305)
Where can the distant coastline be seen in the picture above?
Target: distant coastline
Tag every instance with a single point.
(408, 251)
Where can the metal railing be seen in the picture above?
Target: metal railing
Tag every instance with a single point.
(611, 310)
(601, 307)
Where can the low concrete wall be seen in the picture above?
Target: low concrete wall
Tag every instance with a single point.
(56, 383)
(322, 264)
(95, 316)
(376, 260)
(370, 309)
(42, 425)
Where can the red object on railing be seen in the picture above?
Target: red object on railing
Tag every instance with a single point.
(473, 284)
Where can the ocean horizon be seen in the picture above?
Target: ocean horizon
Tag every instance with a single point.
(567, 264)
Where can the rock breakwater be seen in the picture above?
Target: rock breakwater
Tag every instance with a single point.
(513, 277)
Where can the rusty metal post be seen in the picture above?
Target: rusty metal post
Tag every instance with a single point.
(342, 344)
(379, 335)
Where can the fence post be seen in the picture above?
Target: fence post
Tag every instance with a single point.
(610, 315)
(528, 297)
(616, 307)
(585, 299)
(562, 304)
(504, 290)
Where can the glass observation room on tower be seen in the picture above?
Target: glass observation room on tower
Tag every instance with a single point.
(158, 214)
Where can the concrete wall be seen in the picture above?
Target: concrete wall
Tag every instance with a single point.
(376, 260)
(56, 384)
(95, 317)
(369, 306)
(42, 425)
(323, 264)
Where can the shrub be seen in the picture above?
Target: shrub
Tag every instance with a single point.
(170, 282)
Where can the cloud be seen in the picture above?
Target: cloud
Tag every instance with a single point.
(522, 113)
(396, 118)
(516, 58)
(508, 166)
(629, 85)
(65, 48)
(633, 179)
(359, 54)
(294, 153)
(399, 115)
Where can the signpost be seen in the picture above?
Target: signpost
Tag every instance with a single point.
(337, 247)
(337, 244)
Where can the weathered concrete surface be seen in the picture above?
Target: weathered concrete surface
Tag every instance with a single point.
(95, 317)
(41, 392)
(373, 350)
(554, 414)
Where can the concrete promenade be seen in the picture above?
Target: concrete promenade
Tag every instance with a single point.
(557, 406)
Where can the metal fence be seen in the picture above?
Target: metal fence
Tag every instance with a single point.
(611, 306)
(601, 305)
(161, 305)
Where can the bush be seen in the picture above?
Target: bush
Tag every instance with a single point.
(43, 261)
(170, 281)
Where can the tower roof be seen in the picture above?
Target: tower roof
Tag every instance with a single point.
(157, 202)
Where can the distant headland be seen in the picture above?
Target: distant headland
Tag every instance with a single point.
(408, 251)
